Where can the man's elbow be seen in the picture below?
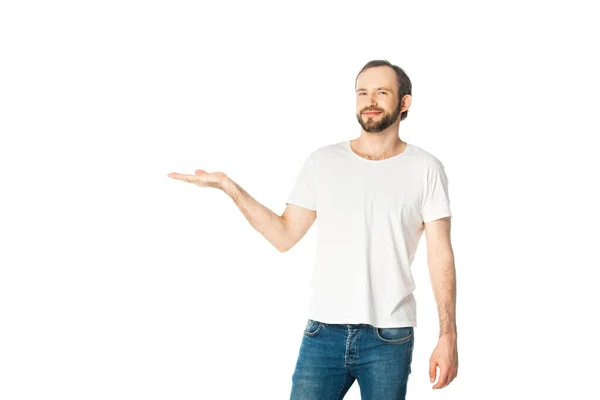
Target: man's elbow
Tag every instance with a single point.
(285, 246)
(283, 249)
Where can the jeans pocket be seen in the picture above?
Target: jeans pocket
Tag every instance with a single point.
(312, 327)
(394, 335)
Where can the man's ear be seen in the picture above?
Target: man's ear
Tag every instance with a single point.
(406, 102)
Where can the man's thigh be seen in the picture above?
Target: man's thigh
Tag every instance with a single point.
(383, 366)
(320, 372)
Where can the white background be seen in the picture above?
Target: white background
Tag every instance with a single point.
(117, 282)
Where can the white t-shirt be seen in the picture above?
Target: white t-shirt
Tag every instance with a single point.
(370, 216)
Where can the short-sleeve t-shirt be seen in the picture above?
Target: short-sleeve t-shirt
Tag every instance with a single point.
(370, 218)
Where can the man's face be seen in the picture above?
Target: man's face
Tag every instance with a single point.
(377, 105)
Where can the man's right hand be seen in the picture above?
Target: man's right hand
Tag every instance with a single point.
(203, 178)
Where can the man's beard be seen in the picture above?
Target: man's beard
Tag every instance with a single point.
(373, 126)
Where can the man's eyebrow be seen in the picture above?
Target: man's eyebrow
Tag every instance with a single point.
(379, 88)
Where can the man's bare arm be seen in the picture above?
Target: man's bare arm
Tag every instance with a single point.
(440, 259)
(283, 231)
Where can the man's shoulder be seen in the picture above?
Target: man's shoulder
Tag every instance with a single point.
(329, 149)
(424, 158)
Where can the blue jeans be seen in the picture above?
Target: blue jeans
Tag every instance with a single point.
(333, 356)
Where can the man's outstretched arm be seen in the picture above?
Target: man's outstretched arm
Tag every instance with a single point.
(283, 231)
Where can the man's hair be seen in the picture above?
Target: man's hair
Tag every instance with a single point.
(404, 84)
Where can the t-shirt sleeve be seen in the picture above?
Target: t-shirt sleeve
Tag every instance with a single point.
(303, 192)
(436, 204)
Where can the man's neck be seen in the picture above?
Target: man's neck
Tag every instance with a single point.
(378, 146)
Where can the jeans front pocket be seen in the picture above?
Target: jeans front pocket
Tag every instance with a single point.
(394, 335)
(312, 327)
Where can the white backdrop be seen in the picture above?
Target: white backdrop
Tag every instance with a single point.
(117, 282)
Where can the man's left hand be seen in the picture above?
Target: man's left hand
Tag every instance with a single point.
(444, 356)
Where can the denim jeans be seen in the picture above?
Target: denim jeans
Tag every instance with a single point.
(333, 356)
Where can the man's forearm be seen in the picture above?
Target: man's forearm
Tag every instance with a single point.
(443, 280)
(265, 221)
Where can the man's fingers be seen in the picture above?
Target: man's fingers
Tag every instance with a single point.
(432, 370)
(182, 177)
(202, 179)
(186, 177)
(176, 175)
(443, 381)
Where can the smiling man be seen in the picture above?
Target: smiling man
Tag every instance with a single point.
(374, 195)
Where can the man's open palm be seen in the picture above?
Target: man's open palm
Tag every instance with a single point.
(202, 178)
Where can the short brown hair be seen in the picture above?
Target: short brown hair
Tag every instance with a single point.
(404, 84)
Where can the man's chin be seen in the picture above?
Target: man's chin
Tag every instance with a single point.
(372, 129)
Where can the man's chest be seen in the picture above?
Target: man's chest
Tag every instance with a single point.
(377, 192)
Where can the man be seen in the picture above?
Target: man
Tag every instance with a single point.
(374, 195)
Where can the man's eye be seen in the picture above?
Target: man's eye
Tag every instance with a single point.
(361, 93)
(381, 91)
